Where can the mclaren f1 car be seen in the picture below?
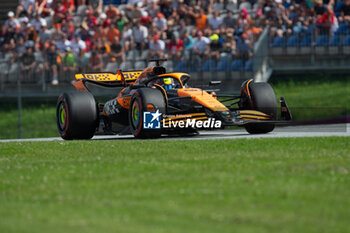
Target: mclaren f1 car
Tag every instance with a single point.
(153, 102)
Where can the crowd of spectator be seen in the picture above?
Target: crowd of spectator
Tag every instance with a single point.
(56, 38)
(322, 20)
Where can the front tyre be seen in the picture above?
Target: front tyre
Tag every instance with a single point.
(145, 100)
(263, 99)
(77, 115)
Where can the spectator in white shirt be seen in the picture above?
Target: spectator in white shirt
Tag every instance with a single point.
(156, 47)
(37, 22)
(77, 44)
(216, 21)
(201, 46)
(161, 22)
(44, 33)
(127, 37)
(140, 35)
(11, 21)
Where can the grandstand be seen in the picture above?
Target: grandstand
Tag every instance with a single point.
(44, 42)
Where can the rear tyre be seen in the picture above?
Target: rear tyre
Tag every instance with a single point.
(77, 115)
(145, 100)
(262, 99)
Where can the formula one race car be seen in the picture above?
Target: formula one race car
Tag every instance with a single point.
(154, 102)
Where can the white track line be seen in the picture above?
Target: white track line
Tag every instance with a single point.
(341, 130)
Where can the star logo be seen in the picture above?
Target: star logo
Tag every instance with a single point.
(156, 115)
(151, 120)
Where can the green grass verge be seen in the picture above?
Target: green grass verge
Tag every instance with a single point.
(315, 99)
(37, 121)
(243, 185)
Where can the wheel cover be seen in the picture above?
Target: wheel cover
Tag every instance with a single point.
(62, 116)
(135, 114)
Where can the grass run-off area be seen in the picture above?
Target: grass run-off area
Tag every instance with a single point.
(243, 185)
(313, 99)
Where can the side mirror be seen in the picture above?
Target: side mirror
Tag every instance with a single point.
(214, 83)
(184, 79)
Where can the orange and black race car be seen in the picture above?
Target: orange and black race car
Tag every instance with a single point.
(153, 102)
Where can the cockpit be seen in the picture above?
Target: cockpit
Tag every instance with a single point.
(167, 82)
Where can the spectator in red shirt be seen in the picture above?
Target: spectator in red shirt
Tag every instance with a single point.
(327, 23)
(176, 47)
(43, 8)
(175, 44)
(60, 12)
(69, 5)
(90, 19)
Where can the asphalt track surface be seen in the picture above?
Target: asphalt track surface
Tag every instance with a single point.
(342, 130)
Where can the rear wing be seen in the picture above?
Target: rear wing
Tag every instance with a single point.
(106, 79)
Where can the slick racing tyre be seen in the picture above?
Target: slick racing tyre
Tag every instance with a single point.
(77, 115)
(146, 100)
(263, 99)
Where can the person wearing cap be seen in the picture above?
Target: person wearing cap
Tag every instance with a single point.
(161, 22)
(156, 47)
(102, 18)
(11, 21)
(27, 64)
(57, 34)
(44, 34)
(215, 46)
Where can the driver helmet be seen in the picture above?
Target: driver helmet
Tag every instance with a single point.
(168, 83)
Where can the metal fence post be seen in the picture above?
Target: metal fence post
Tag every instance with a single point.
(19, 104)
